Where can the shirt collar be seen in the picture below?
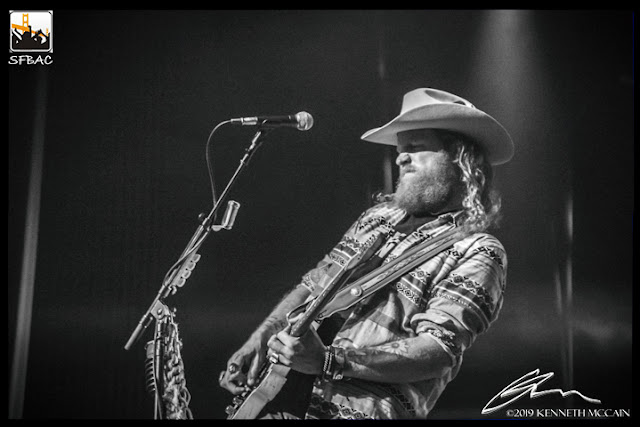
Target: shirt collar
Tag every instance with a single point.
(454, 218)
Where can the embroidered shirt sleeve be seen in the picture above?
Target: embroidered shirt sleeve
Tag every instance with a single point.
(469, 298)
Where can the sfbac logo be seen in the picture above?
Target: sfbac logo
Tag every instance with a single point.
(31, 31)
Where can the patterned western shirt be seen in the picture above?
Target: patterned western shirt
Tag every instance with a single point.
(451, 299)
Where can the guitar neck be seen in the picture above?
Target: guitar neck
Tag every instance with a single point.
(330, 289)
(306, 319)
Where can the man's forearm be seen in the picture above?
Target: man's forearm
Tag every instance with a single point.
(402, 361)
(277, 319)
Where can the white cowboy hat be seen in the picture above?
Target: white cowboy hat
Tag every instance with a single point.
(427, 108)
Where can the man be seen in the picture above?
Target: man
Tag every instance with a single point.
(391, 354)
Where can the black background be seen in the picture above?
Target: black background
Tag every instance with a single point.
(130, 101)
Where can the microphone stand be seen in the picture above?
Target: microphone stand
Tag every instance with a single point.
(185, 264)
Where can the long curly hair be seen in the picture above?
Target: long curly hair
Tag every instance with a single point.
(481, 202)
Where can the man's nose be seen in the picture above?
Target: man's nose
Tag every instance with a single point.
(402, 159)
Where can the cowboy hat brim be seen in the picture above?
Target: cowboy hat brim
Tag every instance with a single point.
(471, 122)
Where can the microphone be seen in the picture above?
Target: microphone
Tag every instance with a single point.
(300, 121)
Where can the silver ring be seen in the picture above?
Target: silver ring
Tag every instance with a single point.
(274, 357)
(233, 368)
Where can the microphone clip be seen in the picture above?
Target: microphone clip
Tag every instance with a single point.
(228, 219)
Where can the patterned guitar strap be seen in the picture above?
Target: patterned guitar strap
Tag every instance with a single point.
(375, 280)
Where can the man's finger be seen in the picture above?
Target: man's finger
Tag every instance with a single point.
(288, 344)
(285, 338)
(254, 369)
(227, 383)
(270, 340)
(234, 369)
(284, 360)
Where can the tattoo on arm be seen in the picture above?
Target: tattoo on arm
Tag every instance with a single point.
(275, 323)
(277, 320)
(378, 355)
(405, 360)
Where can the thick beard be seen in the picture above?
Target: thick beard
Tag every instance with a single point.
(421, 193)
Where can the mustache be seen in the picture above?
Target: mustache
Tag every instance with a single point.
(406, 170)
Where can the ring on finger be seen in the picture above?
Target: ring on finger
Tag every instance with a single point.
(274, 357)
(233, 368)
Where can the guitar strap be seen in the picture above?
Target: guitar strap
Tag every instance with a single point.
(377, 279)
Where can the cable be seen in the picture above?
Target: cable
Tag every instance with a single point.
(213, 197)
(208, 158)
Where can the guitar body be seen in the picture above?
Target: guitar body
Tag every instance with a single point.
(279, 387)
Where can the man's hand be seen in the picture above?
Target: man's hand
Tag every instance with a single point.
(304, 354)
(244, 366)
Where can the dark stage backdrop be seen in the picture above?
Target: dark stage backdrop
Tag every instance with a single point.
(131, 98)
